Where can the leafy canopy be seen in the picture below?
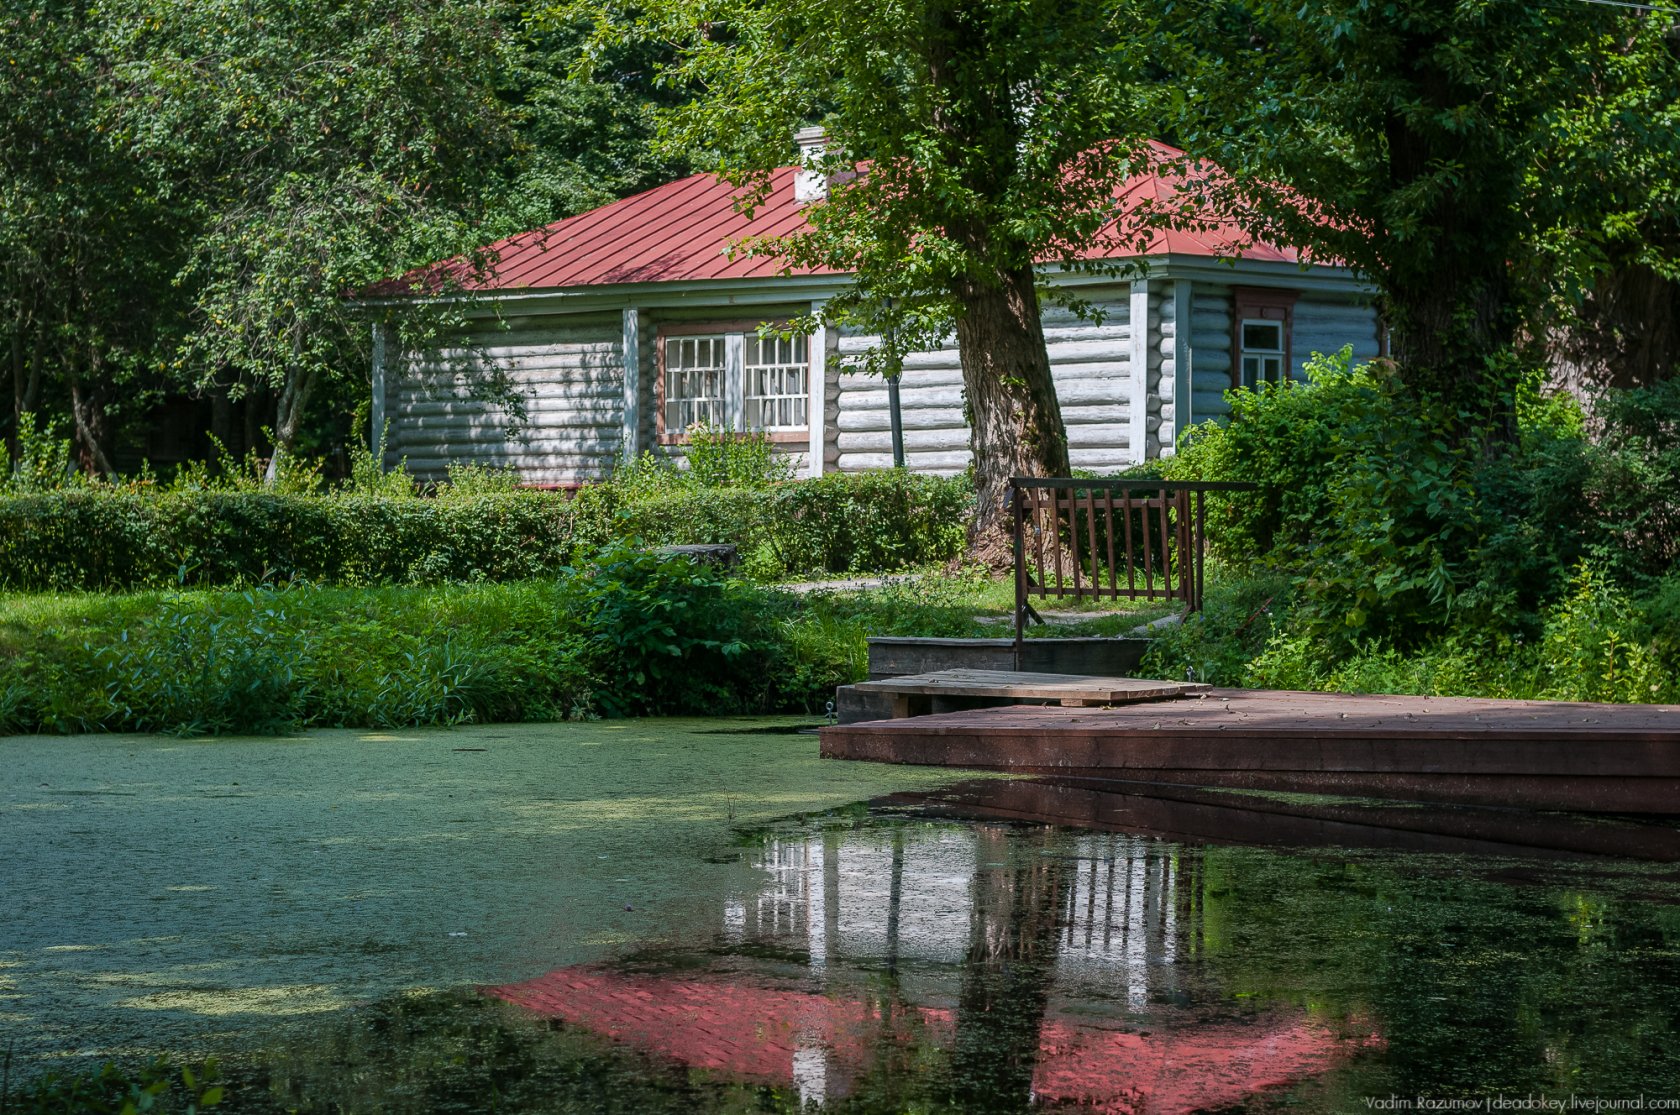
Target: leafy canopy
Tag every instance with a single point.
(963, 140)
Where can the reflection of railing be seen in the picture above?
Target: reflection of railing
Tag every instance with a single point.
(1116, 538)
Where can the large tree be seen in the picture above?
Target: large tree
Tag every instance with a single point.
(969, 145)
(87, 251)
(1419, 142)
(320, 148)
(1612, 264)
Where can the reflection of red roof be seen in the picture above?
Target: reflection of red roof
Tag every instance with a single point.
(753, 1033)
(684, 230)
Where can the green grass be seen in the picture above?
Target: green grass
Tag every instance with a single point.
(270, 660)
(971, 604)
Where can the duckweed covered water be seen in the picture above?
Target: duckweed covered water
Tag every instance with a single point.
(800, 933)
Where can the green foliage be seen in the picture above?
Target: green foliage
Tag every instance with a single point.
(292, 475)
(1397, 532)
(1539, 567)
(673, 635)
(1475, 162)
(718, 457)
(1238, 619)
(965, 182)
(328, 147)
(637, 633)
(42, 463)
(227, 528)
(1597, 647)
(158, 1087)
(1596, 643)
(715, 457)
(1634, 484)
(187, 191)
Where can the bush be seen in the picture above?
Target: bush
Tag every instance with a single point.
(157, 1087)
(671, 635)
(1597, 643)
(1398, 534)
(477, 528)
(634, 632)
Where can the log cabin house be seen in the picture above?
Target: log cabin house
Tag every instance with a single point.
(623, 326)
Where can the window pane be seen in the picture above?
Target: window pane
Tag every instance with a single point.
(777, 374)
(694, 382)
(1262, 335)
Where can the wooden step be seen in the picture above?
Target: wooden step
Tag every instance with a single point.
(912, 695)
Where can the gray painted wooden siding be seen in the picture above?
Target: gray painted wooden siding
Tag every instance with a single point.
(1088, 359)
(1325, 326)
(570, 373)
(1211, 352)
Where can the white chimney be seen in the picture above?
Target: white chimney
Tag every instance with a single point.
(810, 181)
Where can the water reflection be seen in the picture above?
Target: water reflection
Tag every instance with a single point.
(952, 952)
(990, 967)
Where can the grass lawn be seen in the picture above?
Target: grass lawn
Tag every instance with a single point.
(255, 660)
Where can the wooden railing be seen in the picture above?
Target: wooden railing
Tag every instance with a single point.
(1131, 539)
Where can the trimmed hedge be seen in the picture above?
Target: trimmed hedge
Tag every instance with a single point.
(108, 538)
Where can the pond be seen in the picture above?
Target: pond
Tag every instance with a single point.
(661, 916)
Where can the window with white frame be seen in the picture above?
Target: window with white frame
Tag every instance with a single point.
(1262, 352)
(777, 388)
(736, 379)
(696, 381)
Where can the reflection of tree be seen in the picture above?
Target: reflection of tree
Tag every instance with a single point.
(1017, 894)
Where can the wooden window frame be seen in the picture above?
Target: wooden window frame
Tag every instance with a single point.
(742, 327)
(1263, 304)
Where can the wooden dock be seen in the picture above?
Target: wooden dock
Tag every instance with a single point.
(1526, 754)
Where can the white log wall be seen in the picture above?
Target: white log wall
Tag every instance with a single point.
(1159, 413)
(1088, 360)
(568, 370)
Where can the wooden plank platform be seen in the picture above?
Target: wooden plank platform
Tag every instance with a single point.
(1529, 754)
(1072, 690)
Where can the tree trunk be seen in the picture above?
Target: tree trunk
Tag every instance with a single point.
(1014, 418)
(1627, 334)
(1451, 310)
(32, 389)
(222, 427)
(288, 420)
(1450, 337)
(17, 392)
(251, 406)
(1015, 422)
(89, 418)
(1016, 899)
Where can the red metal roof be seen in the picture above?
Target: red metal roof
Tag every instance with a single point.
(685, 230)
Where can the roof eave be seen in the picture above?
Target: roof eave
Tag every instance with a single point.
(768, 289)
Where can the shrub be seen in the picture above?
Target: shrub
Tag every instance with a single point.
(1598, 646)
(116, 1090)
(1238, 619)
(475, 528)
(634, 632)
(1398, 533)
(668, 634)
(721, 458)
